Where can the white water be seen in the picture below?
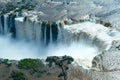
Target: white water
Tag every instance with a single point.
(11, 49)
(82, 51)
(73, 34)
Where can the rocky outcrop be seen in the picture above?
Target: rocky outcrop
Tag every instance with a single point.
(105, 66)
(91, 33)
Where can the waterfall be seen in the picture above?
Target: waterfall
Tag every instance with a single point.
(44, 35)
(11, 25)
(37, 31)
(30, 29)
(2, 23)
(5, 24)
(45, 32)
(20, 28)
(51, 40)
(59, 37)
(54, 32)
(81, 37)
(49, 32)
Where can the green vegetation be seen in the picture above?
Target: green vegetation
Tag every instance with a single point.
(11, 7)
(17, 76)
(28, 68)
(30, 63)
(25, 7)
(34, 65)
(6, 62)
(8, 9)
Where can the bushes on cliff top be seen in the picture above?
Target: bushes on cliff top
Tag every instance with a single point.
(30, 63)
(34, 65)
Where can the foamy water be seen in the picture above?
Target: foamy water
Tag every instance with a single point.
(11, 49)
(20, 49)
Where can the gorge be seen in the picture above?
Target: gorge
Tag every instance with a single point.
(55, 38)
(89, 33)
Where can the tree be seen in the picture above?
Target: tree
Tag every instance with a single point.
(62, 62)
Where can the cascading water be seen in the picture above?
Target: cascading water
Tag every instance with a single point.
(59, 37)
(51, 34)
(79, 38)
(5, 24)
(1, 25)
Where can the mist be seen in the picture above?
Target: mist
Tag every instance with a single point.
(19, 49)
(12, 49)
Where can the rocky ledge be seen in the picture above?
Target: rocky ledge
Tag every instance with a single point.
(105, 66)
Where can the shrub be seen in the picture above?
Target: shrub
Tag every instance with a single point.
(34, 65)
(6, 62)
(17, 76)
(28, 64)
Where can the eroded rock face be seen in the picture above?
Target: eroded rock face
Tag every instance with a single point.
(105, 66)
(108, 60)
